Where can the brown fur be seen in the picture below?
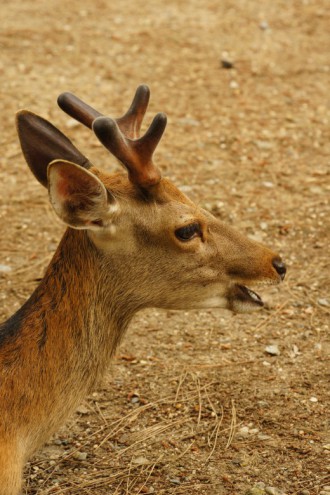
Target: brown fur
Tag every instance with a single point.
(121, 256)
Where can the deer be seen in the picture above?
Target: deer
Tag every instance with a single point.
(133, 241)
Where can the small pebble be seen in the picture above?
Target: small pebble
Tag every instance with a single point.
(255, 491)
(80, 456)
(226, 64)
(264, 145)
(189, 121)
(71, 124)
(264, 25)
(243, 432)
(82, 410)
(233, 85)
(273, 350)
(140, 460)
(185, 189)
(313, 399)
(261, 489)
(323, 302)
(270, 490)
(264, 437)
(5, 268)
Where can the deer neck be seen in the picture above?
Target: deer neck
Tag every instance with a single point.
(64, 335)
(80, 305)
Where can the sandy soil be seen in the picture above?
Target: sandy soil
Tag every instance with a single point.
(193, 403)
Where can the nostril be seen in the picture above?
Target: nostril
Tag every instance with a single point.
(280, 267)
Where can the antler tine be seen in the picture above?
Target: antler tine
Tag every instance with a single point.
(129, 123)
(76, 108)
(134, 154)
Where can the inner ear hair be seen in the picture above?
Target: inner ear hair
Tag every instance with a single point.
(78, 196)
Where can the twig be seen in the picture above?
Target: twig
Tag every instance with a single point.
(181, 380)
(232, 426)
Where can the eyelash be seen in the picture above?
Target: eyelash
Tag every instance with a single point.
(188, 232)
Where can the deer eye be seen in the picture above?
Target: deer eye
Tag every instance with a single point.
(188, 232)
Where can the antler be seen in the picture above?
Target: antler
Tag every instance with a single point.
(121, 136)
(135, 155)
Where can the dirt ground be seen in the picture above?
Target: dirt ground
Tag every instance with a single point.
(194, 403)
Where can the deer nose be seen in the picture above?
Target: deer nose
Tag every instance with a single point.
(280, 267)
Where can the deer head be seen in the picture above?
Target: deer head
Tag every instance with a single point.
(163, 249)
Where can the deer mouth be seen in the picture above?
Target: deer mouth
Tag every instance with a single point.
(242, 299)
(249, 295)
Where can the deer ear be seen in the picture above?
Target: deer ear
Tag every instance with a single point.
(42, 143)
(78, 197)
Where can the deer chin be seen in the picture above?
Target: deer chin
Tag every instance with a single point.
(242, 299)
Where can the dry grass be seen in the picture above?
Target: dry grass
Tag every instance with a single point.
(194, 422)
